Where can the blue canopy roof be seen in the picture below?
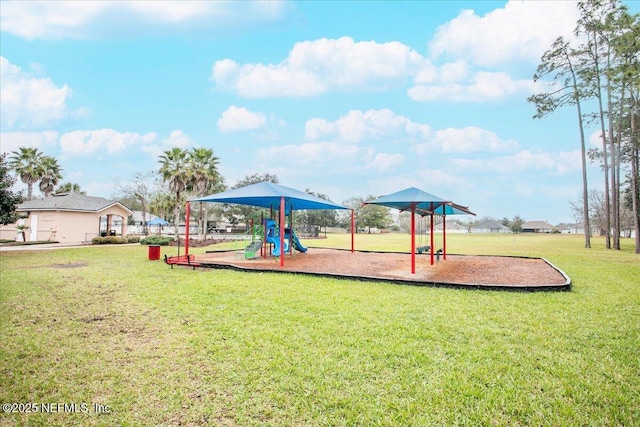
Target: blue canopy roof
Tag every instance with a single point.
(425, 203)
(452, 209)
(403, 200)
(268, 195)
(157, 221)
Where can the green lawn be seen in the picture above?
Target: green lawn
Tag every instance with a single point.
(161, 346)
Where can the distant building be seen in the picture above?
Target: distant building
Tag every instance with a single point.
(537, 227)
(565, 228)
(69, 217)
(135, 224)
(490, 226)
(453, 226)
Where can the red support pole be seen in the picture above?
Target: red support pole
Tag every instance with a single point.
(413, 238)
(291, 230)
(282, 231)
(187, 214)
(444, 237)
(263, 247)
(431, 238)
(353, 224)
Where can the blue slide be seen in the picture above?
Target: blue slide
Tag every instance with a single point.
(295, 240)
(273, 237)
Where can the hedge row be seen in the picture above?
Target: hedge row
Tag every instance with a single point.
(156, 240)
(111, 240)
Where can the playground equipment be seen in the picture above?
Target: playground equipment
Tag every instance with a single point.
(290, 238)
(256, 237)
(424, 230)
(416, 201)
(253, 250)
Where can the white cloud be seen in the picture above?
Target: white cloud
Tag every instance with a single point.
(595, 140)
(384, 162)
(318, 154)
(81, 20)
(316, 67)
(11, 141)
(46, 19)
(237, 119)
(484, 86)
(90, 141)
(519, 30)
(28, 101)
(524, 161)
(176, 138)
(357, 126)
(466, 140)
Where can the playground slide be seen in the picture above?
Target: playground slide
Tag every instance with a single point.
(276, 245)
(296, 242)
(272, 237)
(253, 250)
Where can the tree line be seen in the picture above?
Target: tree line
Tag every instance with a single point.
(599, 75)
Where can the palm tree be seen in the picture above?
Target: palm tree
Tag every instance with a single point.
(50, 174)
(203, 166)
(204, 173)
(174, 170)
(26, 163)
(162, 204)
(70, 187)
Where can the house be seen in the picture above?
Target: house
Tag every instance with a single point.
(575, 228)
(490, 226)
(537, 227)
(453, 226)
(69, 217)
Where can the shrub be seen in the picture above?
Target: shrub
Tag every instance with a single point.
(156, 240)
(133, 239)
(109, 240)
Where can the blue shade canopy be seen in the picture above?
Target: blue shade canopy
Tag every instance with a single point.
(157, 221)
(403, 200)
(268, 195)
(452, 209)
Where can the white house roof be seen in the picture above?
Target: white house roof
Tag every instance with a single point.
(70, 202)
(537, 225)
(491, 225)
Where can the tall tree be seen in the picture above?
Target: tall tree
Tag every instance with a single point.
(559, 63)
(140, 188)
(26, 163)
(204, 175)
(50, 175)
(596, 25)
(70, 187)
(174, 171)
(626, 44)
(8, 199)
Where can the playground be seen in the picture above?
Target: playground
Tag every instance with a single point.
(272, 242)
(459, 271)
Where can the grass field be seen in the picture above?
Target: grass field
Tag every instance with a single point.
(160, 346)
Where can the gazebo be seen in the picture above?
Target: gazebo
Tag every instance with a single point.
(269, 195)
(415, 201)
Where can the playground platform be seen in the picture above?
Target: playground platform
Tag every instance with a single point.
(458, 271)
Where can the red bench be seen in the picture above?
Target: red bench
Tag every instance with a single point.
(188, 260)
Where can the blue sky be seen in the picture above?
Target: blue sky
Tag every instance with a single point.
(348, 99)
